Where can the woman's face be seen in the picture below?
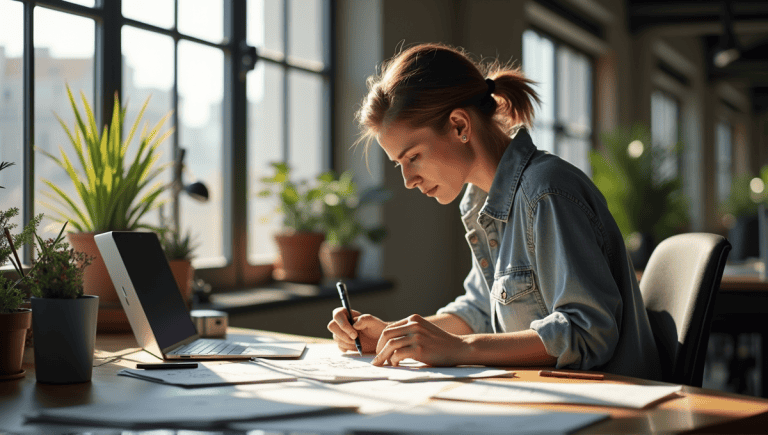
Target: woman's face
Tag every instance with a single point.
(437, 164)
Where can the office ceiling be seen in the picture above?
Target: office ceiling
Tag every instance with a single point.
(705, 19)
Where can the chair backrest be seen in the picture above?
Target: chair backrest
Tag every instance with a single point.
(679, 286)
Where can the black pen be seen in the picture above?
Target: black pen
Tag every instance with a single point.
(161, 366)
(345, 303)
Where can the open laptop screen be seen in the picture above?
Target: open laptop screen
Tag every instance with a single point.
(155, 286)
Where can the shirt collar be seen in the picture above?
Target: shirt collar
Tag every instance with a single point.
(499, 201)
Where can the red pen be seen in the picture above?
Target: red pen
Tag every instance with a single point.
(571, 375)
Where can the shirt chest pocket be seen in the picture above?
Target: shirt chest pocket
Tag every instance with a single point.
(515, 285)
(517, 301)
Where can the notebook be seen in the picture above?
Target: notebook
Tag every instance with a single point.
(155, 309)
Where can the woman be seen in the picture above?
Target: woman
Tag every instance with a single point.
(551, 283)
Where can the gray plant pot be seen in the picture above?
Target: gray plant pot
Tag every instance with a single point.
(64, 333)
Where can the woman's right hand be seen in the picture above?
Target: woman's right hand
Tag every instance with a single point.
(365, 326)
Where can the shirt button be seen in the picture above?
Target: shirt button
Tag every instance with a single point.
(483, 263)
(473, 240)
(493, 243)
(503, 294)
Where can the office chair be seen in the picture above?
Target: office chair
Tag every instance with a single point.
(679, 286)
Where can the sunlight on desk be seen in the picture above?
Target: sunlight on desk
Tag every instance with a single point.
(399, 405)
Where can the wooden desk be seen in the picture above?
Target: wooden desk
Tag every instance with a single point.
(694, 409)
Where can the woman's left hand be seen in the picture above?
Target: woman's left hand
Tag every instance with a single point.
(417, 338)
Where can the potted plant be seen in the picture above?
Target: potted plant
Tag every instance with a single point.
(63, 318)
(739, 213)
(299, 242)
(339, 253)
(14, 320)
(178, 250)
(647, 205)
(114, 192)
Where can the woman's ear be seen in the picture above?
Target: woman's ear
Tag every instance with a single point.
(461, 125)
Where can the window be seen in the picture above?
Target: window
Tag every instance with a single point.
(723, 154)
(665, 128)
(563, 125)
(247, 83)
(288, 101)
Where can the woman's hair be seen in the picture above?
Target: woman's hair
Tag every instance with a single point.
(423, 84)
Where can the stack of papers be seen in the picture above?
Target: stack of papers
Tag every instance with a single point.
(208, 374)
(588, 393)
(346, 369)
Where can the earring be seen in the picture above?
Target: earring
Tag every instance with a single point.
(464, 138)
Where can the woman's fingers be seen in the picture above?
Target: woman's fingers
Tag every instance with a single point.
(341, 318)
(402, 327)
(393, 346)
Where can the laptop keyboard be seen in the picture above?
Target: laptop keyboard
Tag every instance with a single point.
(210, 347)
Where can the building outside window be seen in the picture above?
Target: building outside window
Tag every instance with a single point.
(177, 54)
(563, 125)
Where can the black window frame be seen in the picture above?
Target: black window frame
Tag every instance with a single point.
(561, 130)
(239, 58)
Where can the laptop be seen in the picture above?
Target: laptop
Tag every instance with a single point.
(156, 311)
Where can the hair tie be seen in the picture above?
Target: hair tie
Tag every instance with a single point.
(491, 86)
(487, 102)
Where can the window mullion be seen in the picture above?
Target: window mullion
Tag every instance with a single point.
(28, 208)
(109, 71)
(234, 139)
(286, 101)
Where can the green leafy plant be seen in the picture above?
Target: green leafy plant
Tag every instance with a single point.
(629, 173)
(177, 246)
(341, 203)
(745, 195)
(57, 272)
(11, 294)
(108, 184)
(299, 201)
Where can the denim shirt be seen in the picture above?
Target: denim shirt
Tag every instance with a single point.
(548, 256)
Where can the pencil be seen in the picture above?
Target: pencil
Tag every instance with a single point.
(572, 375)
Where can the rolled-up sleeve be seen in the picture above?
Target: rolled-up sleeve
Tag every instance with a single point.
(473, 307)
(575, 280)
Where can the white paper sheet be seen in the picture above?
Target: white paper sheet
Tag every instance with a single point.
(345, 369)
(191, 412)
(438, 418)
(211, 374)
(591, 393)
(369, 396)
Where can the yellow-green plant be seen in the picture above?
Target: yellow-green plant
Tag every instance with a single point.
(627, 172)
(108, 184)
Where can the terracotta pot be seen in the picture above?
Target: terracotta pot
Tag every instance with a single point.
(339, 262)
(13, 332)
(183, 273)
(298, 257)
(96, 282)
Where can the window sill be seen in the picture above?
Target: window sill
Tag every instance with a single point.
(279, 294)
